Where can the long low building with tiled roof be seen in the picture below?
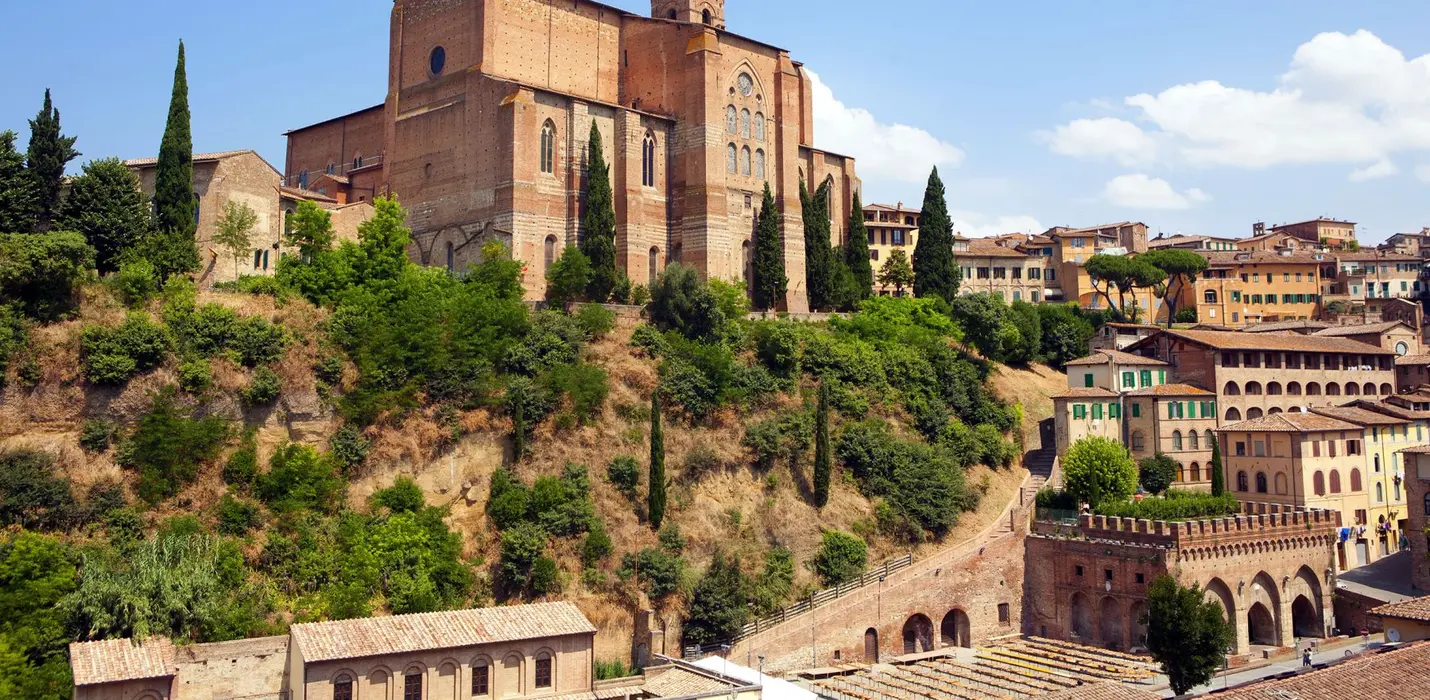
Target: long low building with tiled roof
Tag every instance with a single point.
(1391, 674)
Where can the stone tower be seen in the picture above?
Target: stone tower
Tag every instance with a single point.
(711, 12)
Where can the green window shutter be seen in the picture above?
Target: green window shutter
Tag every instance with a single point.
(1172, 410)
(1097, 411)
(1146, 377)
(1087, 380)
(1079, 411)
(1161, 376)
(1114, 411)
(1137, 411)
(1213, 405)
(1129, 379)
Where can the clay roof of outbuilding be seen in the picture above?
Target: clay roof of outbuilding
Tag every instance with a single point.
(1284, 326)
(1106, 690)
(1395, 674)
(1171, 390)
(1289, 423)
(981, 247)
(1412, 609)
(114, 660)
(1418, 450)
(1090, 392)
(299, 193)
(1360, 329)
(1230, 340)
(1104, 356)
(1259, 257)
(680, 681)
(198, 158)
(376, 636)
(1380, 256)
(1358, 415)
(1413, 360)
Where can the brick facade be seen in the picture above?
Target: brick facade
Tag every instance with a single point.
(1417, 481)
(484, 133)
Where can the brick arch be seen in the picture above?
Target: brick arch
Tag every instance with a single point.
(1111, 621)
(955, 630)
(734, 77)
(1217, 591)
(918, 634)
(1080, 616)
(1269, 596)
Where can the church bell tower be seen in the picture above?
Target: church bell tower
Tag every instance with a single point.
(710, 12)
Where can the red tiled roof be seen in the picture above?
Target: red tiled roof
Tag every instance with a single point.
(1259, 257)
(1360, 329)
(115, 660)
(980, 247)
(1106, 690)
(198, 158)
(1171, 390)
(1091, 392)
(375, 636)
(1288, 423)
(1357, 415)
(1105, 356)
(1228, 340)
(1285, 326)
(1378, 256)
(1413, 360)
(299, 193)
(1396, 674)
(1412, 609)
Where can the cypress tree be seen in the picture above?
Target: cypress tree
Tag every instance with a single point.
(655, 497)
(175, 206)
(1218, 482)
(17, 190)
(50, 151)
(856, 251)
(599, 244)
(935, 271)
(817, 273)
(822, 466)
(770, 282)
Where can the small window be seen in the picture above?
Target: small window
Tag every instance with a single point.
(412, 686)
(343, 688)
(1142, 578)
(705, 17)
(1107, 574)
(438, 60)
(481, 679)
(543, 671)
(1005, 615)
(1079, 570)
(548, 147)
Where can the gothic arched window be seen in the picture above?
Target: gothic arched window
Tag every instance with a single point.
(550, 251)
(705, 17)
(654, 266)
(760, 164)
(451, 257)
(745, 123)
(548, 147)
(648, 161)
(760, 128)
(731, 156)
(745, 161)
(1261, 482)
(732, 119)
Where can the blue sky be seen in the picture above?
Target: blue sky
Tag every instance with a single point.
(1194, 117)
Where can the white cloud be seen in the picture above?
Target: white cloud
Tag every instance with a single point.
(1374, 171)
(976, 225)
(1346, 98)
(1422, 172)
(1117, 139)
(883, 150)
(1139, 191)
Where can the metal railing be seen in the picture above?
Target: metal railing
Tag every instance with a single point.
(367, 162)
(823, 597)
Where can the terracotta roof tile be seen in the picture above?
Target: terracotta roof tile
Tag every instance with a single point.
(1260, 257)
(198, 158)
(1106, 690)
(1357, 415)
(116, 660)
(1359, 329)
(325, 641)
(1171, 390)
(978, 247)
(1396, 674)
(1104, 356)
(1412, 609)
(1086, 393)
(1224, 340)
(1412, 360)
(1377, 256)
(1418, 450)
(1285, 326)
(298, 193)
(1288, 423)
(678, 681)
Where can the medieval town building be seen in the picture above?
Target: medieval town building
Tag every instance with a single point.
(484, 131)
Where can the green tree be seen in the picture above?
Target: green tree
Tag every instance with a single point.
(856, 250)
(172, 249)
(823, 467)
(1186, 633)
(655, 492)
(897, 272)
(36, 573)
(45, 161)
(1124, 275)
(1218, 479)
(106, 206)
(41, 273)
(17, 190)
(310, 229)
(681, 302)
(1025, 317)
(599, 224)
(1181, 268)
(842, 558)
(770, 281)
(719, 606)
(818, 274)
(984, 318)
(1098, 469)
(234, 230)
(1156, 473)
(382, 243)
(568, 278)
(1065, 333)
(935, 270)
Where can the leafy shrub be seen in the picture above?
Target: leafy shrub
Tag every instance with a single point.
(563, 506)
(585, 385)
(236, 516)
(597, 547)
(647, 338)
(842, 557)
(680, 301)
(718, 606)
(241, 469)
(113, 355)
(1156, 473)
(640, 295)
(1098, 470)
(730, 298)
(31, 494)
(555, 339)
(202, 331)
(1056, 499)
(257, 341)
(256, 285)
(329, 370)
(701, 461)
(14, 333)
(349, 448)
(621, 293)
(545, 577)
(595, 320)
(263, 388)
(42, 271)
(167, 448)
(403, 496)
(508, 501)
(1176, 505)
(195, 376)
(135, 282)
(773, 587)
(778, 347)
(95, 435)
(611, 670)
(299, 478)
(624, 472)
(923, 484)
(521, 546)
(787, 436)
(1187, 315)
(660, 571)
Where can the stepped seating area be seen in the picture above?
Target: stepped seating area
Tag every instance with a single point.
(1020, 668)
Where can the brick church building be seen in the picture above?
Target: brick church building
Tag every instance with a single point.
(488, 113)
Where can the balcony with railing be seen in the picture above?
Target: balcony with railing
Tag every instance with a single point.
(366, 163)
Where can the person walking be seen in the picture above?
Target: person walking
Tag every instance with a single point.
(1306, 658)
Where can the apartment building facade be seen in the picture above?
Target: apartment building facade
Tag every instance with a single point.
(1369, 279)
(1417, 470)
(1331, 233)
(1384, 434)
(1252, 287)
(1003, 271)
(890, 228)
(1176, 420)
(1092, 405)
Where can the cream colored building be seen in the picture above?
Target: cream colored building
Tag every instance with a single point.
(890, 228)
(1002, 271)
(1093, 404)
(1178, 421)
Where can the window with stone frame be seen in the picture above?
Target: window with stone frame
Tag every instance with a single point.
(548, 147)
(760, 164)
(731, 158)
(732, 119)
(759, 126)
(648, 160)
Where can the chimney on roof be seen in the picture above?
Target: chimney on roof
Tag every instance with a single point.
(1258, 228)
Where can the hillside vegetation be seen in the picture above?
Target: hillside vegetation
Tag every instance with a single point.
(361, 435)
